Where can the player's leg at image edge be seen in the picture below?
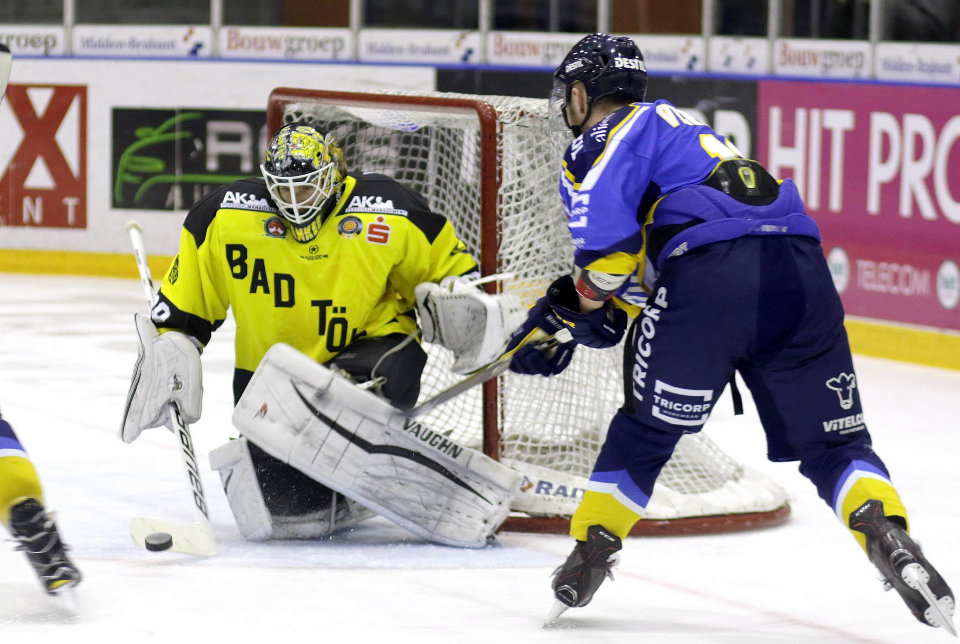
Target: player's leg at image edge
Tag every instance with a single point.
(903, 566)
(23, 514)
(37, 536)
(863, 491)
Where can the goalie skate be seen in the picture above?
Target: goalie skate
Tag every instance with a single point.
(38, 538)
(904, 567)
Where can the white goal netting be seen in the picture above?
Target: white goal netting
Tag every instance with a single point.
(489, 164)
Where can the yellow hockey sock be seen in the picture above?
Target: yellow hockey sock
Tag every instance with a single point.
(18, 481)
(600, 508)
(862, 491)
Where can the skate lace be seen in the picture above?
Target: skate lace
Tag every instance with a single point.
(38, 536)
(611, 562)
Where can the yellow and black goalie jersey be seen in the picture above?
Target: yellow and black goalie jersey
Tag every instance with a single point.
(355, 279)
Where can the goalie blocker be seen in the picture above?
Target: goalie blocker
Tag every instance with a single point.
(356, 443)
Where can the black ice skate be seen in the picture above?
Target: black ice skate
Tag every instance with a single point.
(904, 567)
(591, 561)
(37, 535)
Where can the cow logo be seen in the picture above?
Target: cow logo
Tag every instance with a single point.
(274, 227)
(350, 226)
(844, 384)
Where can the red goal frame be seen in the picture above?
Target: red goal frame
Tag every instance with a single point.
(490, 129)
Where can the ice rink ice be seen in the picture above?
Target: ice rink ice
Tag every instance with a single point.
(67, 347)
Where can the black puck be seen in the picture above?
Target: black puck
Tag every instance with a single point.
(158, 541)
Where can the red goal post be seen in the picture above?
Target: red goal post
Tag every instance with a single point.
(489, 163)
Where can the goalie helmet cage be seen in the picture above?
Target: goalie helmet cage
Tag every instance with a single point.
(489, 164)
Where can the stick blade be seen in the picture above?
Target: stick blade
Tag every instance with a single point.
(188, 539)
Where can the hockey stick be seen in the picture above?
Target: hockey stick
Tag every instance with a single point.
(5, 59)
(540, 340)
(194, 539)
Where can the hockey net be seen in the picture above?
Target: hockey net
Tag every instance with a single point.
(489, 164)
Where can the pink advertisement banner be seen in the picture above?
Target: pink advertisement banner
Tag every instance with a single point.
(879, 169)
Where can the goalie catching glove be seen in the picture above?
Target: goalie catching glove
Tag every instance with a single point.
(167, 370)
(460, 316)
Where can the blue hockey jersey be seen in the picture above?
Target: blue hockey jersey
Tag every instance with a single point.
(636, 188)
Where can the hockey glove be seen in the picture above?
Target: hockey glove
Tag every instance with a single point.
(597, 329)
(533, 361)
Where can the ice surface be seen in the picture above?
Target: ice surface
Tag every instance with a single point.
(67, 347)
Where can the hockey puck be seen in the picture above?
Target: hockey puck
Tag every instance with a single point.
(158, 541)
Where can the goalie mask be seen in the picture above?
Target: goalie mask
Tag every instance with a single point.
(606, 65)
(304, 171)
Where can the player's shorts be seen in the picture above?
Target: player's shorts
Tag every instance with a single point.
(763, 306)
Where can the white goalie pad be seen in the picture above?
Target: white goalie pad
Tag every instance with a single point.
(471, 323)
(167, 370)
(255, 522)
(357, 444)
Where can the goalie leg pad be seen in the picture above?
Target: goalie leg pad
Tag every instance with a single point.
(354, 442)
(255, 520)
(239, 480)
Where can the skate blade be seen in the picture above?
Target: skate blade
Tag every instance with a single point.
(558, 609)
(67, 598)
(939, 611)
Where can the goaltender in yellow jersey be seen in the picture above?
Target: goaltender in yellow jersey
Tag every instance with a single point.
(355, 279)
(312, 256)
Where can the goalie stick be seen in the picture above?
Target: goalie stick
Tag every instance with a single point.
(5, 60)
(194, 539)
(540, 340)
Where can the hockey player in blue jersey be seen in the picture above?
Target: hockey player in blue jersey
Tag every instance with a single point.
(21, 495)
(722, 272)
(23, 514)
